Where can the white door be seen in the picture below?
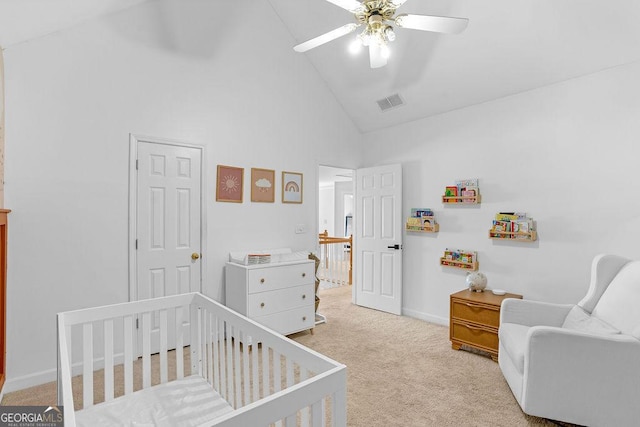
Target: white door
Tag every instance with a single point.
(378, 243)
(168, 226)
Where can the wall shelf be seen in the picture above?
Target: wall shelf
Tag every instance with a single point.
(464, 191)
(457, 258)
(462, 199)
(473, 266)
(423, 229)
(513, 235)
(513, 226)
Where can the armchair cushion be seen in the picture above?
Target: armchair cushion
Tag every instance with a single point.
(580, 320)
(514, 338)
(618, 304)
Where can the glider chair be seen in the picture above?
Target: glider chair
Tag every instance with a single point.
(578, 363)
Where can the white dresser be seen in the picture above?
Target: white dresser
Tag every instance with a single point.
(280, 296)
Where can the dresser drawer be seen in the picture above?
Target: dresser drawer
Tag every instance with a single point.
(264, 303)
(476, 335)
(485, 314)
(287, 322)
(284, 276)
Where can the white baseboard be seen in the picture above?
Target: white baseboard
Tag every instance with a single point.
(49, 375)
(30, 380)
(426, 317)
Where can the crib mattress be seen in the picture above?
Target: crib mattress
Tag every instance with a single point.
(185, 402)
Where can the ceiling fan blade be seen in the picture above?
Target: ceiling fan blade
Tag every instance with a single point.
(376, 58)
(398, 3)
(325, 38)
(437, 24)
(350, 5)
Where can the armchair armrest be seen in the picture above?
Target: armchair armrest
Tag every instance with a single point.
(533, 313)
(558, 362)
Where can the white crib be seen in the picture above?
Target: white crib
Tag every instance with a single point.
(230, 379)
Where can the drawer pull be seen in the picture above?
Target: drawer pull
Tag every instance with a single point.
(304, 296)
(472, 305)
(262, 305)
(304, 318)
(262, 280)
(304, 274)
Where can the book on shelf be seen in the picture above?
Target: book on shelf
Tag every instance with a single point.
(420, 212)
(428, 221)
(414, 222)
(451, 191)
(457, 255)
(511, 225)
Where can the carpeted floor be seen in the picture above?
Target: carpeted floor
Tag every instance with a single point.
(401, 372)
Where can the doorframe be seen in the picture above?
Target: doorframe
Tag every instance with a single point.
(353, 224)
(134, 139)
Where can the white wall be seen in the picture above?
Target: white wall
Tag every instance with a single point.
(326, 207)
(566, 154)
(343, 206)
(169, 69)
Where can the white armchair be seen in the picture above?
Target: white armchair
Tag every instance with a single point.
(578, 363)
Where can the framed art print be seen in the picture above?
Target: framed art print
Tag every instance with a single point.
(291, 187)
(229, 185)
(263, 185)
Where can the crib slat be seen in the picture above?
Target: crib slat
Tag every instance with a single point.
(223, 362)
(317, 414)
(237, 367)
(146, 350)
(202, 321)
(87, 365)
(304, 419)
(230, 376)
(216, 355)
(245, 370)
(108, 360)
(128, 354)
(194, 343)
(339, 408)
(266, 370)
(254, 369)
(277, 375)
(163, 347)
(179, 343)
(210, 340)
(290, 420)
(289, 376)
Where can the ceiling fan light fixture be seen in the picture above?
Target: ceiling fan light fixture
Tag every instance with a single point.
(355, 46)
(385, 51)
(389, 34)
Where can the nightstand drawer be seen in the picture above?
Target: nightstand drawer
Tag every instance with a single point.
(476, 312)
(264, 303)
(475, 335)
(284, 276)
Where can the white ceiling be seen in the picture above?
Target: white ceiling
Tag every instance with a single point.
(510, 46)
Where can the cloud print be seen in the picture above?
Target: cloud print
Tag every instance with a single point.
(263, 183)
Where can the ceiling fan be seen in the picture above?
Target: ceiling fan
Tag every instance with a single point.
(378, 16)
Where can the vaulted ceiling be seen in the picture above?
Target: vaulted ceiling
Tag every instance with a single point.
(510, 46)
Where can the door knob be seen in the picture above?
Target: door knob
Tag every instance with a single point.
(195, 256)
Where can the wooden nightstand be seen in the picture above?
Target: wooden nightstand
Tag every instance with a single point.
(474, 318)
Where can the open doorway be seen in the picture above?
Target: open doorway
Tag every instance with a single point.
(335, 226)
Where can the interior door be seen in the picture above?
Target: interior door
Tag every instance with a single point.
(168, 224)
(378, 242)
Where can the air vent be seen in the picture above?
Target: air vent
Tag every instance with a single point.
(389, 102)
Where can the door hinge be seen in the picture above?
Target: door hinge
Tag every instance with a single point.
(137, 323)
(136, 244)
(136, 164)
